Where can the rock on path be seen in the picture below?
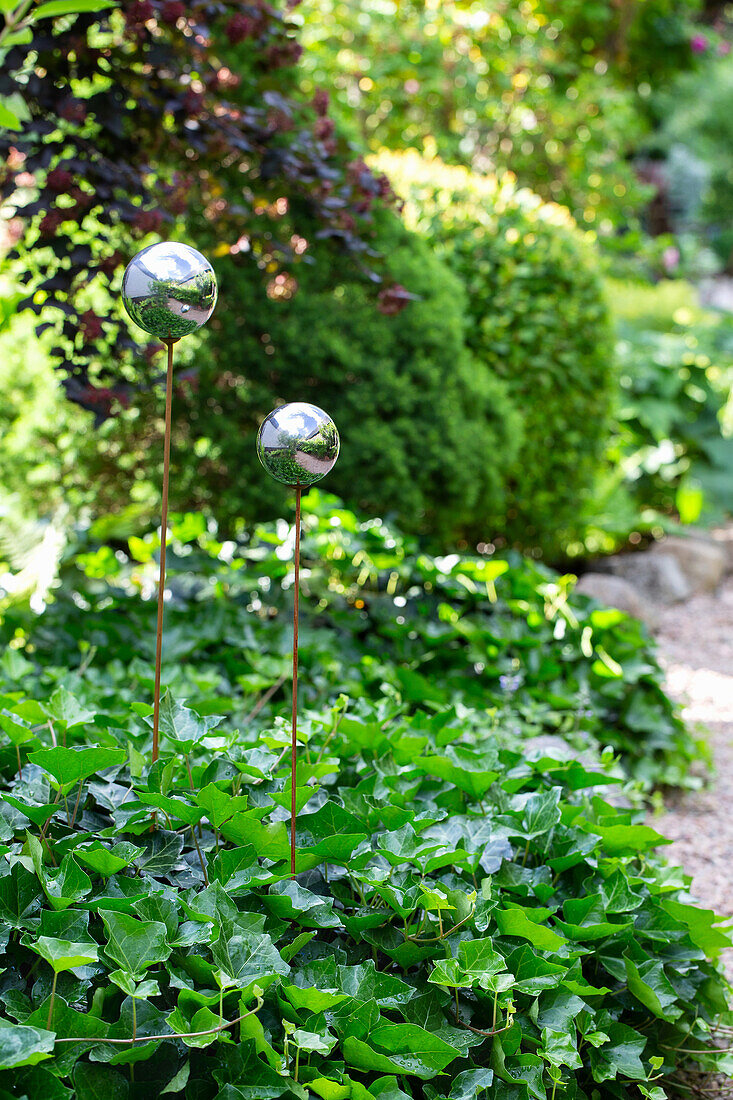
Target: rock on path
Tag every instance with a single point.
(696, 647)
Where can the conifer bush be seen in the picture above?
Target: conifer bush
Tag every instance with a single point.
(538, 322)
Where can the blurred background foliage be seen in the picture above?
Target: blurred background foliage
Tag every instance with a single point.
(523, 361)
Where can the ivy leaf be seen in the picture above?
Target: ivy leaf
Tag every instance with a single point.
(176, 808)
(20, 896)
(134, 944)
(218, 806)
(404, 1048)
(182, 725)
(650, 985)
(528, 925)
(18, 733)
(179, 1081)
(467, 769)
(584, 920)
(55, 8)
(39, 815)
(559, 1048)
(467, 1085)
(405, 846)
(63, 954)
(292, 901)
(161, 853)
(478, 963)
(70, 766)
(700, 924)
(365, 983)
(202, 1020)
(621, 1055)
(21, 1045)
(627, 839)
(107, 861)
(64, 886)
(312, 1041)
(63, 707)
(12, 662)
(241, 1074)
(93, 1081)
(245, 958)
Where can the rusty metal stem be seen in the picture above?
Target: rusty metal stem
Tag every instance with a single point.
(294, 745)
(163, 540)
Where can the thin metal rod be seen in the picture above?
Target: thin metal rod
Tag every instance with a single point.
(163, 540)
(294, 745)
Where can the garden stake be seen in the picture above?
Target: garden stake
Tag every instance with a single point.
(297, 444)
(169, 290)
(163, 540)
(294, 738)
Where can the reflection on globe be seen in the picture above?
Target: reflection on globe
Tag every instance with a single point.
(169, 290)
(298, 444)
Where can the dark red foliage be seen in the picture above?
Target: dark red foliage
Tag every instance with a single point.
(199, 119)
(324, 128)
(172, 11)
(393, 299)
(59, 180)
(90, 325)
(239, 28)
(320, 101)
(73, 110)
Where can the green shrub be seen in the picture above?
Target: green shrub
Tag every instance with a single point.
(427, 432)
(41, 435)
(673, 448)
(538, 322)
(556, 92)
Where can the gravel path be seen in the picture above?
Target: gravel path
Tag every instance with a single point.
(696, 643)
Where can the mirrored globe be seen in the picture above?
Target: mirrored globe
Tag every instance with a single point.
(169, 290)
(298, 444)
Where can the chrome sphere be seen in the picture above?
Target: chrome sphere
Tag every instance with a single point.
(169, 290)
(298, 444)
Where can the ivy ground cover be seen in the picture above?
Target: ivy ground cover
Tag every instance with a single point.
(473, 915)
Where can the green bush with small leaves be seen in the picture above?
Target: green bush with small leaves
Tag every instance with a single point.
(428, 431)
(538, 322)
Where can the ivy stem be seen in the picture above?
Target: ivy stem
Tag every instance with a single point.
(76, 804)
(134, 1019)
(190, 783)
(20, 768)
(198, 850)
(437, 939)
(264, 699)
(332, 733)
(297, 1061)
(53, 998)
(161, 1038)
(14, 19)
